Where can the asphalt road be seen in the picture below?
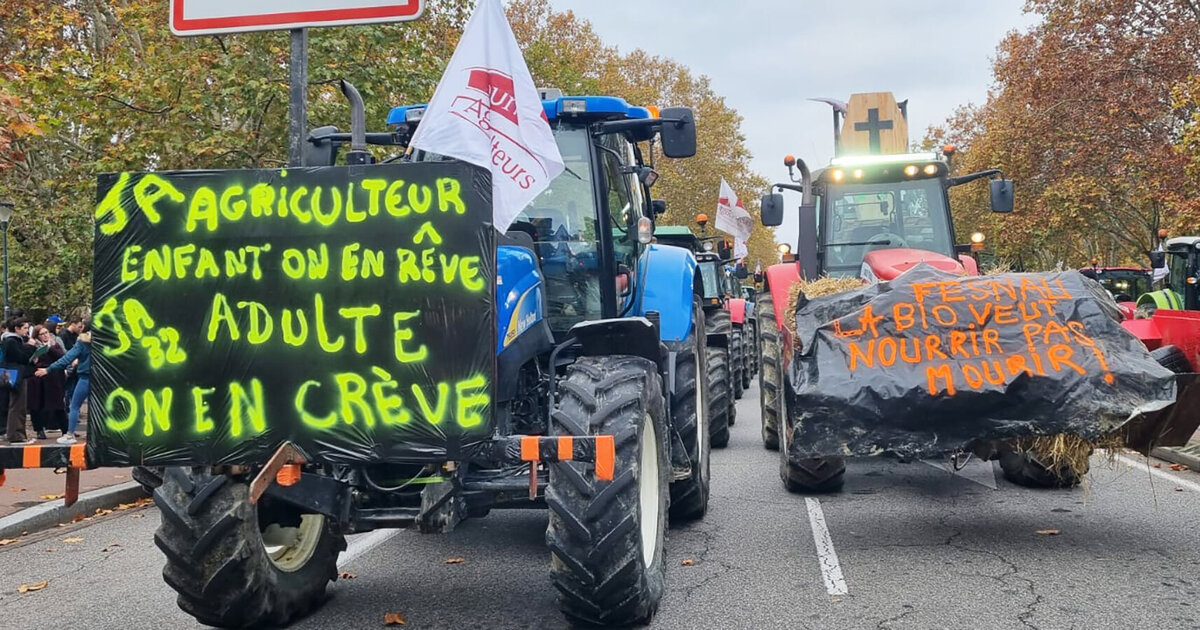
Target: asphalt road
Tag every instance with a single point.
(905, 546)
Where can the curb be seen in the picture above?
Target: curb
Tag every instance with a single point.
(1179, 456)
(54, 512)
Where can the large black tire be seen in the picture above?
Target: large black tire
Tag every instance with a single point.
(149, 478)
(812, 476)
(606, 557)
(689, 418)
(747, 358)
(770, 377)
(1025, 469)
(1172, 358)
(738, 357)
(751, 351)
(720, 396)
(218, 559)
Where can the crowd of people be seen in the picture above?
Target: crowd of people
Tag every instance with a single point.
(44, 374)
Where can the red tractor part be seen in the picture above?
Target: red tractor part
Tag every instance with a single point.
(737, 310)
(1170, 328)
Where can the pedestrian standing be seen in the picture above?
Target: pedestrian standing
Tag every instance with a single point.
(81, 352)
(18, 352)
(46, 394)
(74, 325)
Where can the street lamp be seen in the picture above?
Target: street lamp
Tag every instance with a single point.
(6, 212)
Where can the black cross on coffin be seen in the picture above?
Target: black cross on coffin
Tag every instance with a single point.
(873, 126)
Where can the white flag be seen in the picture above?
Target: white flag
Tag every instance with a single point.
(487, 111)
(733, 219)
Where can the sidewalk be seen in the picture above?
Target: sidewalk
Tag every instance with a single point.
(29, 487)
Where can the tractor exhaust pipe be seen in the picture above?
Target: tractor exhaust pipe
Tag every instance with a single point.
(358, 126)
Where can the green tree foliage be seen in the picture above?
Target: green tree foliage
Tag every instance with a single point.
(114, 90)
(1094, 112)
(94, 86)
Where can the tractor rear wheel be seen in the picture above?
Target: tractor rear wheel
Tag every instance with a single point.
(237, 565)
(1025, 468)
(770, 376)
(689, 419)
(606, 537)
(738, 357)
(149, 478)
(720, 396)
(1172, 358)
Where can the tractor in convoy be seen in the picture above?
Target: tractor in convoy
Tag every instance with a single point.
(725, 344)
(587, 398)
(873, 213)
(1168, 320)
(1125, 284)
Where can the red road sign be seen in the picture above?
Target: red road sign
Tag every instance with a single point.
(206, 17)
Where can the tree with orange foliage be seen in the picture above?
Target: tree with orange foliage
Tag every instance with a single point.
(1089, 113)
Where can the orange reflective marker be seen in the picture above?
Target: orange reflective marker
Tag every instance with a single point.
(529, 449)
(32, 457)
(606, 457)
(566, 448)
(289, 475)
(77, 456)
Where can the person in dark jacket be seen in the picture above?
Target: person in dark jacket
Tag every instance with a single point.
(46, 395)
(83, 352)
(18, 350)
(69, 335)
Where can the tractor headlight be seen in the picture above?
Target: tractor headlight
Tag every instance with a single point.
(931, 169)
(708, 246)
(645, 230)
(574, 106)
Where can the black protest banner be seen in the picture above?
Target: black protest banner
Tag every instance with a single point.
(348, 310)
(932, 362)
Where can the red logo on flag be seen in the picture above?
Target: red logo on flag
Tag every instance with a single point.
(499, 90)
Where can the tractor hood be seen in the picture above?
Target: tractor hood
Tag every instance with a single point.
(887, 264)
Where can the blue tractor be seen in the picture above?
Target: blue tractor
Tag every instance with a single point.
(600, 416)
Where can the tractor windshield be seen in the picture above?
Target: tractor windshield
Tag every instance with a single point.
(562, 222)
(712, 282)
(859, 218)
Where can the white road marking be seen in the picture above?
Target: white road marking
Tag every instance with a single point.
(1143, 464)
(831, 570)
(977, 470)
(364, 543)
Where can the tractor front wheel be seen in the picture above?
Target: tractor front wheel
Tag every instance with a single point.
(1025, 468)
(770, 375)
(689, 419)
(737, 356)
(237, 565)
(606, 537)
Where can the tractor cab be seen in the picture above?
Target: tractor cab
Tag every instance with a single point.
(1181, 258)
(1124, 284)
(876, 210)
(589, 229)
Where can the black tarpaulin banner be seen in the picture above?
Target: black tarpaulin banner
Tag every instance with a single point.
(348, 310)
(931, 362)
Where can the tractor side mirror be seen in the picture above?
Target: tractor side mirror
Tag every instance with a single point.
(758, 278)
(659, 207)
(1158, 260)
(319, 149)
(741, 273)
(678, 132)
(1002, 195)
(772, 210)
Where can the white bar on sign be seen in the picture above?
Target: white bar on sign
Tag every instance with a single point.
(208, 9)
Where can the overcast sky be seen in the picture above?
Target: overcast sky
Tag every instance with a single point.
(766, 57)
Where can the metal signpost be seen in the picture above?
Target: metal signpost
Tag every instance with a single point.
(212, 17)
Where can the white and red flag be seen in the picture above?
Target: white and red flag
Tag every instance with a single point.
(733, 219)
(487, 111)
